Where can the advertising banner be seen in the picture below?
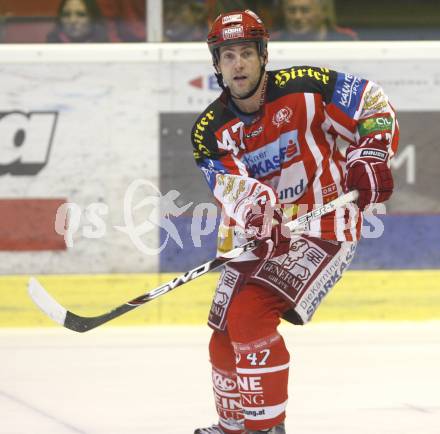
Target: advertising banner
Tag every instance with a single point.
(79, 133)
(411, 223)
(412, 215)
(95, 151)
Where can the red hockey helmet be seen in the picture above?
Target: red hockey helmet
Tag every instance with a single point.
(235, 27)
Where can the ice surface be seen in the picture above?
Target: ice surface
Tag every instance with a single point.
(363, 378)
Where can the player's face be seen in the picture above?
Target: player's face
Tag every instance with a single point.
(302, 16)
(240, 65)
(75, 19)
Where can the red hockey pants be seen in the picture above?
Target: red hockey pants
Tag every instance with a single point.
(250, 362)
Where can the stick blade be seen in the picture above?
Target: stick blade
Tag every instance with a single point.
(45, 302)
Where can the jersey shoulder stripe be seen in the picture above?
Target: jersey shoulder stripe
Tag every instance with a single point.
(301, 79)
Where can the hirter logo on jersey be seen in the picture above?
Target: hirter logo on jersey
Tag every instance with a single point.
(282, 116)
(319, 74)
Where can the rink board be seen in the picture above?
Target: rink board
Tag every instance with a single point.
(106, 126)
(360, 295)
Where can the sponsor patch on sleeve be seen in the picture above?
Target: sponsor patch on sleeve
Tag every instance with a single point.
(348, 92)
(209, 169)
(375, 102)
(375, 125)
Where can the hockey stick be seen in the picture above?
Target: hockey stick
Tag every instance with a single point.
(82, 324)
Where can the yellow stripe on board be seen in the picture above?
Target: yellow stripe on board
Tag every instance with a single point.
(360, 295)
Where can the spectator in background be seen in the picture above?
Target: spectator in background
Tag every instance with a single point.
(125, 19)
(4, 15)
(310, 20)
(217, 7)
(78, 21)
(185, 20)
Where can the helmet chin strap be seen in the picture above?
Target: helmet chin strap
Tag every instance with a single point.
(252, 91)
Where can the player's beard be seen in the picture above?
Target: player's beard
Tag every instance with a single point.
(240, 90)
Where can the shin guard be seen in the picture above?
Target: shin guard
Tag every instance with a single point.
(262, 368)
(227, 401)
(224, 381)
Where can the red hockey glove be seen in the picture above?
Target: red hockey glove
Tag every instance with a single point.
(265, 223)
(368, 172)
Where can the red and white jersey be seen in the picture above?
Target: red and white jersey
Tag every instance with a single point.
(291, 144)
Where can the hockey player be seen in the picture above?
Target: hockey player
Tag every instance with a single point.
(269, 142)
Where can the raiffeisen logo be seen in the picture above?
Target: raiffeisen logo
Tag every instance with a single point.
(268, 159)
